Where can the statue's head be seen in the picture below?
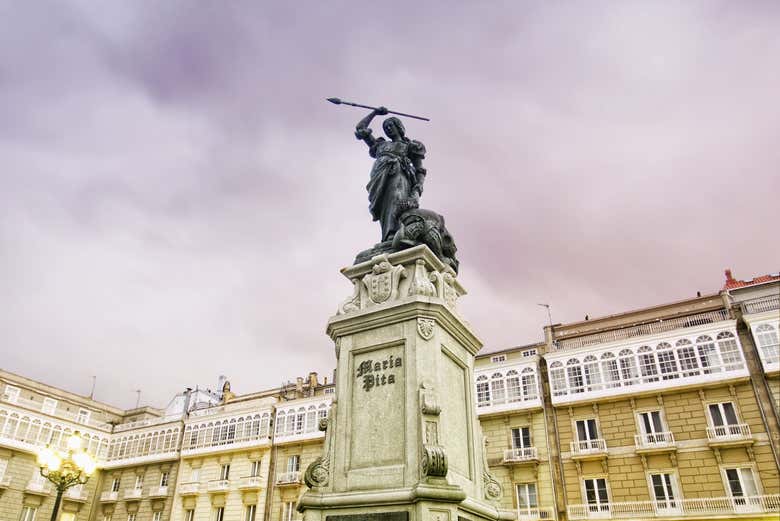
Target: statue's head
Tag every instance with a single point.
(393, 128)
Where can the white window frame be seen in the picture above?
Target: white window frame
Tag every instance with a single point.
(741, 504)
(11, 394)
(189, 514)
(520, 431)
(28, 513)
(600, 507)
(588, 441)
(49, 406)
(224, 472)
(294, 458)
(131, 517)
(219, 514)
(250, 512)
(767, 338)
(164, 478)
(82, 418)
(288, 511)
(115, 484)
(642, 428)
(497, 359)
(254, 468)
(529, 509)
(529, 352)
(667, 506)
(157, 516)
(139, 482)
(724, 429)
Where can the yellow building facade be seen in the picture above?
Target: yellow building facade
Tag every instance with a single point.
(667, 412)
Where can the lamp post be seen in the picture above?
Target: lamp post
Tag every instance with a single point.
(66, 469)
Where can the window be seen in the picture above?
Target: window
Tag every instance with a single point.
(513, 386)
(28, 514)
(498, 358)
(254, 470)
(729, 351)
(157, 516)
(526, 498)
(224, 472)
(288, 510)
(689, 364)
(249, 513)
(666, 361)
(164, 479)
(628, 372)
(768, 343)
(609, 369)
(107, 517)
(3, 467)
(330, 390)
(189, 515)
(139, 482)
(652, 427)
(587, 434)
(741, 484)
(663, 491)
(293, 463)
(311, 419)
(529, 352)
(195, 475)
(115, 485)
(596, 495)
(574, 374)
(219, 514)
(497, 388)
(724, 419)
(483, 391)
(529, 384)
(83, 416)
(130, 517)
(592, 373)
(647, 367)
(521, 438)
(558, 379)
(708, 355)
(49, 406)
(12, 395)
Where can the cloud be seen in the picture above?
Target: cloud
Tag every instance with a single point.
(178, 196)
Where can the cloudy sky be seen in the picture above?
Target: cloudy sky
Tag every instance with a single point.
(177, 196)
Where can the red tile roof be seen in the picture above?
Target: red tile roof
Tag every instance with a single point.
(732, 283)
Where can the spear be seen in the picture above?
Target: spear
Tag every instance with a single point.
(337, 101)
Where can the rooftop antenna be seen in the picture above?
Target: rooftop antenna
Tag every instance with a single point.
(92, 392)
(549, 317)
(138, 398)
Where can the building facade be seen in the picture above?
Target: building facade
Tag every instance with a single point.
(666, 412)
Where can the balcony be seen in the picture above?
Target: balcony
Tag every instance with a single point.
(729, 435)
(521, 456)
(38, 486)
(109, 497)
(189, 489)
(217, 486)
(761, 305)
(288, 479)
(133, 494)
(654, 442)
(589, 449)
(532, 514)
(76, 494)
(251, 483)
(158, 492)
(689, 508)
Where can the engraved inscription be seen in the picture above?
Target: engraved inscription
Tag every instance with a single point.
(375, 373)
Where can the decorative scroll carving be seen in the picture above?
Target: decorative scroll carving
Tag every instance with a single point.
(491, 486)
(426, 327)
(352, 303)
(434, 461)
(421, 284)
(429, 404)
(318, 472)
(445, 289)
(382, 282)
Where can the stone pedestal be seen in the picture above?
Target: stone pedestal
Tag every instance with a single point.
(403, 442)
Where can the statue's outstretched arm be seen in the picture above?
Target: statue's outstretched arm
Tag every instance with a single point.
(362, 132)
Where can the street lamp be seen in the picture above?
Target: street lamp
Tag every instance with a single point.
(66, 469)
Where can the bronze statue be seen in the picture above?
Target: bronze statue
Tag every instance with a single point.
(397, 176)
(394, 189)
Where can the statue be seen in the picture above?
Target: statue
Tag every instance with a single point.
(394, 189)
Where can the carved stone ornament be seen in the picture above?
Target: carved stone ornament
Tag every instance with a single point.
(353, 302)
(445, 290)
(421, 283)
(317, 473)
(434, 461)
(426, 327)
(492, 487)
(382, 282)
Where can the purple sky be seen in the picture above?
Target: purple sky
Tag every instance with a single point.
(178, 197)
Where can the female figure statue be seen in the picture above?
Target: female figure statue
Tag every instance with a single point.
(397, 176)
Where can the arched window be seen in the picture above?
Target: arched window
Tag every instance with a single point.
(667, 361)
(609, 370)
(264, 424)
(768, 342)
(322, 412)
(647, 367)
(628, 371)
(311, 419)
(708, 355)
(280, 422)
(513, 392)
(689, 365)
(729, 351)
(558, 379)
(574, 375)
(530, 390)
(483, 391)
(590, 368)
(497, 389)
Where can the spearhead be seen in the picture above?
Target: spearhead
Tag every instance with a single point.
(335, 101)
